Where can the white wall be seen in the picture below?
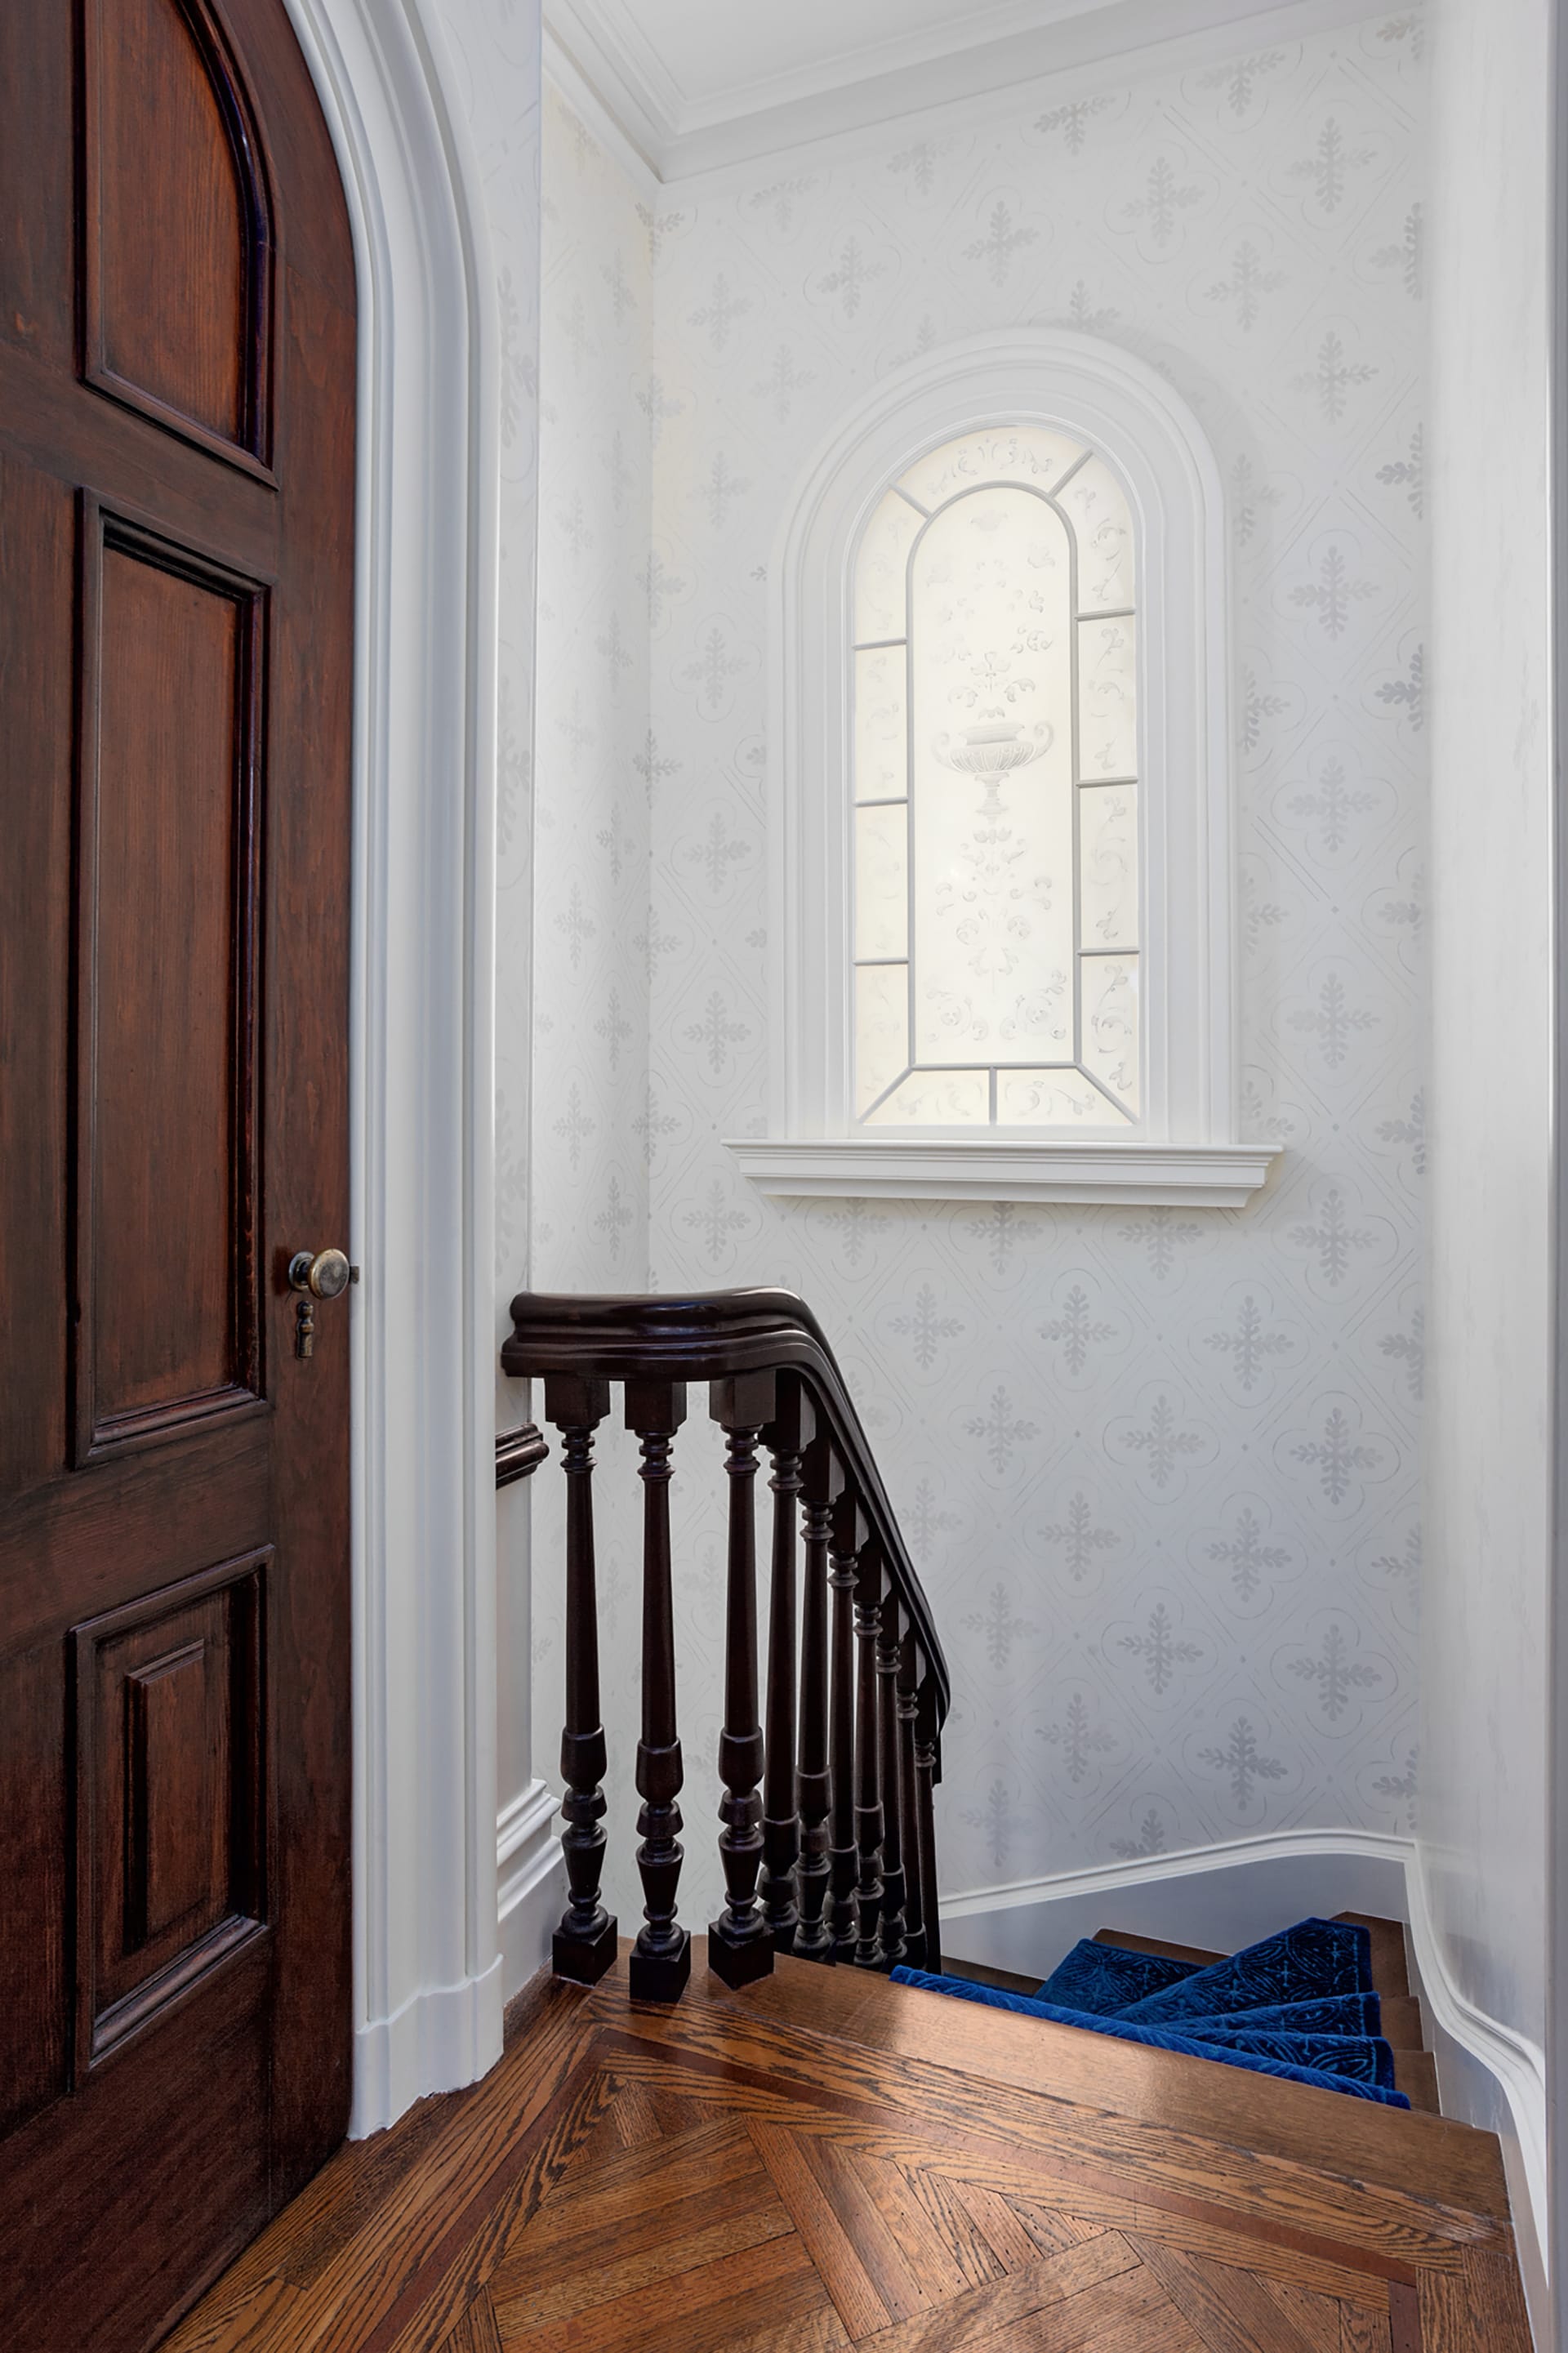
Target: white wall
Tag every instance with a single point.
(1151, 1648)
(589, 1204)
(1485, 1643)
(591, 815)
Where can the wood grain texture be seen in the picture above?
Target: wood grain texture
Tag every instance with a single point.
(1497, 2301)
(1364, 2332)
(823, 2230)
(1171, 2159)
(475, 2331)
(976, 2313)
(1448, 2320)
(176, 574)
(1405, 2319)
(1229, 2311)
(1316, 2318)
(998, 2227)
(174, 244)
(1070, 2064)
(691, 2184)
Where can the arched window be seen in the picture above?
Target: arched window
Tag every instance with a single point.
(995, 751)
(999, 794)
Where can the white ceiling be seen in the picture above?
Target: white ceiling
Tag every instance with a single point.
(700, 83)
(706, 61)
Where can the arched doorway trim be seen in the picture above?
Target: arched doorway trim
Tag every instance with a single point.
(427, 1965)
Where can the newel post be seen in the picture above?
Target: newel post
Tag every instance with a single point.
(585, 1944)
(661, 1957)
(740, 1949)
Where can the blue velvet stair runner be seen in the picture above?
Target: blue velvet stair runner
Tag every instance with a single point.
(1300, 2005)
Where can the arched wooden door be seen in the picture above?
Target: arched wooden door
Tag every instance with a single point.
(177, 367)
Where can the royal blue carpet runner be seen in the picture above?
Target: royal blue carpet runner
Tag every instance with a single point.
(1300, 2005)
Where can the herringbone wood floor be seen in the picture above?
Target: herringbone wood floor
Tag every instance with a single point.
(829, 2161)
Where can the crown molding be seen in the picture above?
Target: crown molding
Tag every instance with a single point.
(619, 122)
(675, 139)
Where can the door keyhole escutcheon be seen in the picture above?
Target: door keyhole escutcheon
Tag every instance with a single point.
(316, 1274)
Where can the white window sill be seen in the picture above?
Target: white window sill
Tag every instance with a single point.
(996, 1168)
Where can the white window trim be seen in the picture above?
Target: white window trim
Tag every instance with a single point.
(1188, 1150)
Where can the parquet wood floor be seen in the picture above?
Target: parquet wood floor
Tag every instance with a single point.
(829, 2161)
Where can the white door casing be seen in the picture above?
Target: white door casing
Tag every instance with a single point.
(427, 1957)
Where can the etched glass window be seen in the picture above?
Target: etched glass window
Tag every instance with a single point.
(994, 743)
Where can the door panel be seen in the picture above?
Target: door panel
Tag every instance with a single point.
(175, 234)
(166, 918)
(170, 1767)
(37, 562)
(35, 1806)
(177, 373)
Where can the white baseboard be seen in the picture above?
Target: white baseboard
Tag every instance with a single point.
(531, 1880)
(1490, 2076)
(441, 2038)
(1213, 1896)
(1221, 1897)
(446, 2036)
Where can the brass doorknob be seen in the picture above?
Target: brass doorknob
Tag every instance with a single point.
(325, 1274)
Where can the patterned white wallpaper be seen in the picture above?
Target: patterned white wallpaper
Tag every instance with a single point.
(1159, 1467)
(592, 827)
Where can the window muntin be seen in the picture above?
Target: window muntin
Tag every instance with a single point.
(994, 745)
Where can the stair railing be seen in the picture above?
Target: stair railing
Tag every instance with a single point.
(826, 1837)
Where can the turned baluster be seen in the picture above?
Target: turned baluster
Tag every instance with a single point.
(926, 1736)
(842, 1854)
(867, 1763)
(814, 1788)
(893, 1950)
(585, 1944)
(914, 1905)
(740, 1948)
(661, 1957)
(786, 1437)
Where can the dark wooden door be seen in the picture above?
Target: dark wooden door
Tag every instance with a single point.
(177, 356)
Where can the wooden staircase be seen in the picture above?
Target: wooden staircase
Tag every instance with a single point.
(753, 2142)
(824, 2160)
(1415, 2069)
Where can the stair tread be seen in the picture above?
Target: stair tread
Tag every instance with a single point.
(1402, 2024)
(1415, 2073)
(982, 1973)
(1415, 2069)
(1402, 2027)
(1432, 2156)
(1154, 1944)
(1131, 1944)
(1390, 1967)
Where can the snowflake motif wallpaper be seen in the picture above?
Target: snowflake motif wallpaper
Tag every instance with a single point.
(1159, 1467)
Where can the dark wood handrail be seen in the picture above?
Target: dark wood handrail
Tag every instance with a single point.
(826, 1818)
(712, 1335)
(518, 1453)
